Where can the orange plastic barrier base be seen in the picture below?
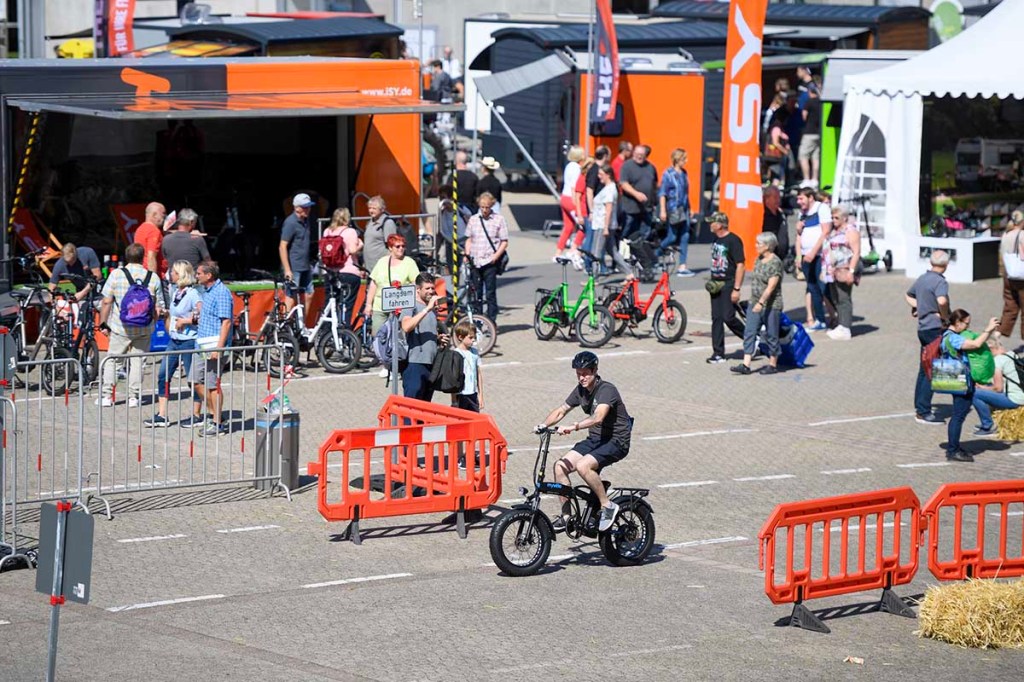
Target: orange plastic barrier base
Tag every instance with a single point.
(435, 459)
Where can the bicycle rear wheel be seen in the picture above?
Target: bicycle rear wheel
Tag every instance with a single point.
(90, 362)
(594, 333)
(338, 358)
(618, 306)
(56, 378)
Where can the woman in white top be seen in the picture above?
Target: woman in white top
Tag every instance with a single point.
(1013, 289)
(601, 237)
(570, 219)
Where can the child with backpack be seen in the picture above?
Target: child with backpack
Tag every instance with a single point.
(471, 397)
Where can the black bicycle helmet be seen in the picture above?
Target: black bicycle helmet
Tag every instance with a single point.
(584, 360)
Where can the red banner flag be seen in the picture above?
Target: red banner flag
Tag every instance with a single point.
(112, 31)
(740, 162)
(606, 65)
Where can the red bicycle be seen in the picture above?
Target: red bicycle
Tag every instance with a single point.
(629, 310)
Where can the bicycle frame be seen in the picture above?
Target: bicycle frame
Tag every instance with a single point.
(296, 317)
(662, 289)
(561, 294)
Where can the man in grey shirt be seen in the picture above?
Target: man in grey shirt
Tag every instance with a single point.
(639, 183)
(419, 324)
(928, 298)
(294, 252)
(378, 229)
(182, 244)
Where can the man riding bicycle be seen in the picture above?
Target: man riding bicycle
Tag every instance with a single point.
(608, 441)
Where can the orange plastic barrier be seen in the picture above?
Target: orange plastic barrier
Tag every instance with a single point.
(977, 561)
(820, 574)
(412, 468)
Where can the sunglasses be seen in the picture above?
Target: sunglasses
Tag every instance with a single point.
(398, 246)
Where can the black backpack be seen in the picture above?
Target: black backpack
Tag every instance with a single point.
(447, 374)
(1018, 363)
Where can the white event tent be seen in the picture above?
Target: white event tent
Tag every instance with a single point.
(879, 158)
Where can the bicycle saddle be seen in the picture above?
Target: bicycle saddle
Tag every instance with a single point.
(20, 294)
(563, 261)
(245, 295)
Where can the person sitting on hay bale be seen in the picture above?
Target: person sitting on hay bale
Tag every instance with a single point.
(978, 613)
(1006, 394)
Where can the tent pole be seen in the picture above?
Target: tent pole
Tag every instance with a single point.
(543, 176)
(589, 76)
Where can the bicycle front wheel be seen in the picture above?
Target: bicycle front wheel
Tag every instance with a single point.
(617, 307)
(276, 359)
(56, 378)
(670, 322)
(486, 334)
(90, 361)
(595, 330)
(340, 357)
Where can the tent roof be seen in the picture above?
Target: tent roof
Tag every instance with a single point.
(980, 62)
(267, 32)
(659, 34)
(800, 14)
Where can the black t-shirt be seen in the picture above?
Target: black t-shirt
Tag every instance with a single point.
(592, 181)
(776, 224)
(812, 125)
(467, 187)
(61, 268)
(726, 252)
(617, 425)
(488, 183)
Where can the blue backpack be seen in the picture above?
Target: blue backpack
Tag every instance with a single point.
(384, 345)
(138, 309)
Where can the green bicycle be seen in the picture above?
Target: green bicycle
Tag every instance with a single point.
(592, 322)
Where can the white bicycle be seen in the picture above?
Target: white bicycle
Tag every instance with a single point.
(337, 348)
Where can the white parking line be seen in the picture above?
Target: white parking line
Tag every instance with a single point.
(612, 354)
(166, 602)
(773, 477)
(5, 622)
(699, 543)
(533, 448)
(556, 557)
(1016, 454)
(687, 484)
(862, 419)
(511, 363)
(153, 538)
(1009, 513)
(691, 434)
(352, 581)
(839, 472)
(247, 529)
(919, 465)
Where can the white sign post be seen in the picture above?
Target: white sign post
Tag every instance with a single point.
(393, 301)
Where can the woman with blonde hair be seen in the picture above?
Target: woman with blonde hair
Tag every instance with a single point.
(570, 218)
(182, 328)
(674, 204)
(339, 245)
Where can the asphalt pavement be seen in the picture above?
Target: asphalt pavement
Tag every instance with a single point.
(229, 583)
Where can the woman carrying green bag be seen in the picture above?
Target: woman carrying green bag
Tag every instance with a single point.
(957, 345)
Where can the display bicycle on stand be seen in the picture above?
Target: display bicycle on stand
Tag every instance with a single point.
(337, 347)
(272, 331)
(521, 538)
(629, 309)
(592, 322)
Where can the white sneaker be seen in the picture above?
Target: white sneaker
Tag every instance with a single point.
(383, 373)
(105, 402)
(133, 402)
(839, 334)
(608, 515)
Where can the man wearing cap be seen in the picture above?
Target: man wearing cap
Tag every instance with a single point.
(294, 252)
(727, 267)
(488, 183)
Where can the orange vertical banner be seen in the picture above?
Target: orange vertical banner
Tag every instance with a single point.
(740, 162)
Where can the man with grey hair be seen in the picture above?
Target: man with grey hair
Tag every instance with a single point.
(928, 298)
(378, 229)
(182, 244)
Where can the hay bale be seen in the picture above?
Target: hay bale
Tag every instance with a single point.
(1010, 424)
(978, 613)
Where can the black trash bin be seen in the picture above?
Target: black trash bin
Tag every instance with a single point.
(277, 433)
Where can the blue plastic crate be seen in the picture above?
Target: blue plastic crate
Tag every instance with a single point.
(796, 343)
(160, 338)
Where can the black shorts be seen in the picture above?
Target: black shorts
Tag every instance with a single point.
(606, 452)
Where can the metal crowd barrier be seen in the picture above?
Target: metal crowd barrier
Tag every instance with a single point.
(976, 509)
(440, 459)
(133, 456)
(12, 554)
(888, 559)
